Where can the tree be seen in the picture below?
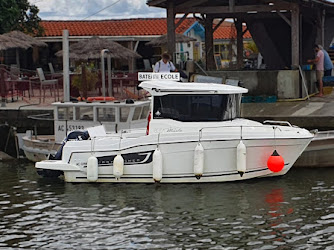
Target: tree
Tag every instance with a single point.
(19, 15)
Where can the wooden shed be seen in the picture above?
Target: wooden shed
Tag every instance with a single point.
(283, 30)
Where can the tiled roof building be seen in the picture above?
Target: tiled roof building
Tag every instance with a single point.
(123, 27)
(129, 27)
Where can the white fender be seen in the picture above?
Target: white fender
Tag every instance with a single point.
(118, 166)
(241, 158)
(157, 165)
(199, 161)
(92, 169)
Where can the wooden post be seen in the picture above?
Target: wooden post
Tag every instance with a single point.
(132, 60)
(84, 80)
(2, 86)
(323, 17)
(231, 5)
(110, 89)
(171, 29)
(300, 35)
(17, 55)
(320, 27)
(240, 45)
(295, 37)
(210, 61)
(66, 66)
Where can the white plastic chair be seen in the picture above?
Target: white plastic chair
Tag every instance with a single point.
(54, 75)
(51, 84)
(52, 71)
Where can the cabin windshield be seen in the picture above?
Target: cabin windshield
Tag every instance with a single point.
(195, 108)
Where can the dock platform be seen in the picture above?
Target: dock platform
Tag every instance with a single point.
(315, 113)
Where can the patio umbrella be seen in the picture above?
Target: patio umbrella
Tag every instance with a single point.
(91, 49)
(25, 38)
(7, 42)
(20, 40)
(179, 38)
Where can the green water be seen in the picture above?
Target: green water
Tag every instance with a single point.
(295, 211)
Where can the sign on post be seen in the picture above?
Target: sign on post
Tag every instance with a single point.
(149, 76)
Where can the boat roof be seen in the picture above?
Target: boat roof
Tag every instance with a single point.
(180, 87)
(100, 104)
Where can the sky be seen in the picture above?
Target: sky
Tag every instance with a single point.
(96, 9)
(83, 9)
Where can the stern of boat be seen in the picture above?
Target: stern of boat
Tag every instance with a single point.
(54, 168)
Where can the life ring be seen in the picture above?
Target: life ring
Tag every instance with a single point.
(100, 98)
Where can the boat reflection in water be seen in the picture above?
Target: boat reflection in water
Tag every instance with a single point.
(289, 212)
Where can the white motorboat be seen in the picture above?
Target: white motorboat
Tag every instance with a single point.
(194, 134)
(69, 116)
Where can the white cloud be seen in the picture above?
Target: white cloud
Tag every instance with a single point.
(78, 10)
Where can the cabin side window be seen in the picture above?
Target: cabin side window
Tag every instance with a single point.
(136, 113)
(195, 108)
(84, 113)
(65, 113)
(124, 114)
(106, 114)
(144, 114)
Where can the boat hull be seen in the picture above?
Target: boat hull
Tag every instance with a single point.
(39, 148)
(220, 160)
(319, 152)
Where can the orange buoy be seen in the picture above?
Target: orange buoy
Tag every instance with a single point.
(81, 99)
(275, 162)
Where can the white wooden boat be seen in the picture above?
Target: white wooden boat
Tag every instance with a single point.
(39, 148)
(319, 152)
(194, 134)
(69, 116)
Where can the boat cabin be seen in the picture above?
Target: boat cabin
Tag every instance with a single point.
(115, 116)
(197, 107)
(192, 102)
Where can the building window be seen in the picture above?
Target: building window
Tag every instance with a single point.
(222, 50)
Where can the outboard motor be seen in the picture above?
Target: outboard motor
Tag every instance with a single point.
(72, 136)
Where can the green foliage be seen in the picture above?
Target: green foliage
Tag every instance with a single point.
(252, 47)
(91, 77)
(19, 15)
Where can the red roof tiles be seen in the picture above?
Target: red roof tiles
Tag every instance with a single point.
(123, 27)
(129, 27)
(227, 31)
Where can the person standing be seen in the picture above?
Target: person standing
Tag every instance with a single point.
(319, 62)
(164, 65)
(328, 65)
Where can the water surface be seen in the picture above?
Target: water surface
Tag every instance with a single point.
(295, 211)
